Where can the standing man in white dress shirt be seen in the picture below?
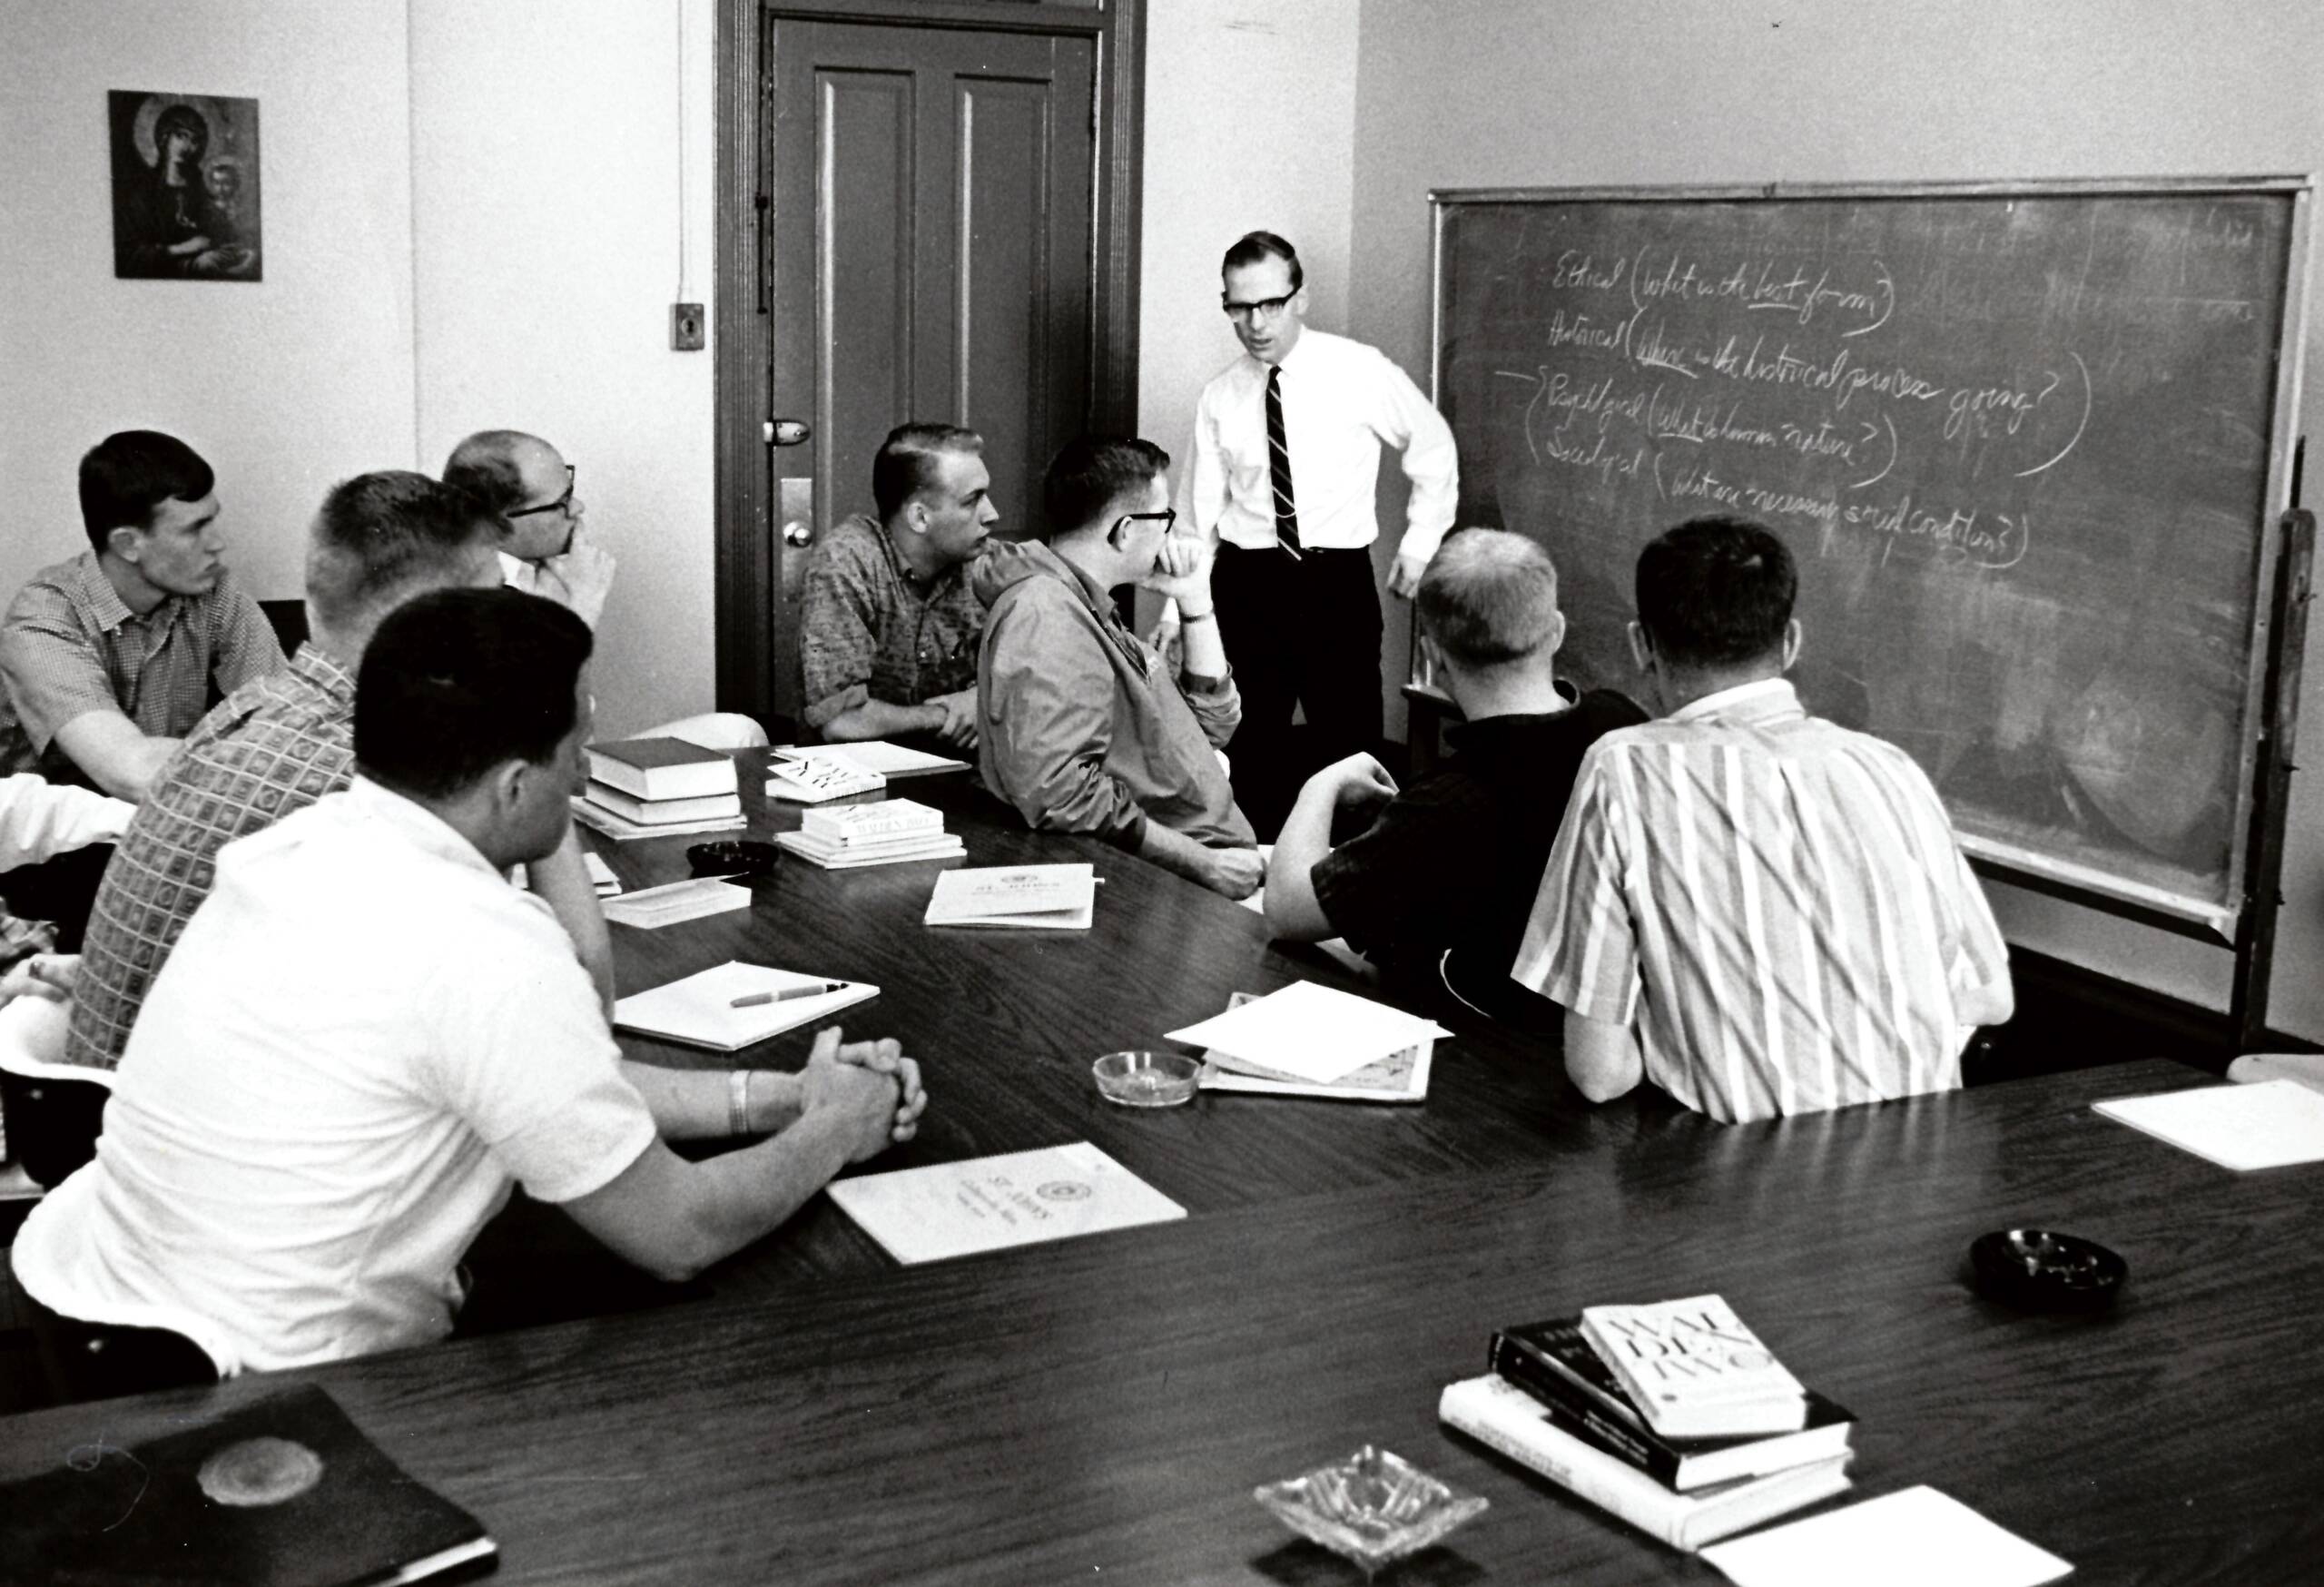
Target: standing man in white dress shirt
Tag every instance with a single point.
(1287, 455)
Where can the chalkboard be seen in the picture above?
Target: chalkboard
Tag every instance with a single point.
(2026, 444)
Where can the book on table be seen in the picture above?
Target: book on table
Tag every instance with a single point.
(875, 754)
(663, 812)
(622, 829)
(286, 1492)
(1497, 1412)
(1552, 1362)
(814, 779)
(1696, 1370)
(662, 768)
(698, 1010)
(830, 856)
(846, 826)
(1057, 898)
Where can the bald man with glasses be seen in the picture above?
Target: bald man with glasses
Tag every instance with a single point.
(1287, 455)
(530, 485)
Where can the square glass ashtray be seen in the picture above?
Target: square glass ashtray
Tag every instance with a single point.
(1374, 1507)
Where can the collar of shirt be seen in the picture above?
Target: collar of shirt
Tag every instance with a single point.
(897, 565)
(1766, 700)
(414, 823)
(101, 604)
(1100, 603)
(322, 669)
(1481, 731)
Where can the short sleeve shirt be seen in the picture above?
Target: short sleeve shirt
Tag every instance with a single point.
(277, 745)
(364, 1038)
(69, 646)
(867, 633)
(1452, 863)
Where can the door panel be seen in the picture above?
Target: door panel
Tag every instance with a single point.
(929, 255)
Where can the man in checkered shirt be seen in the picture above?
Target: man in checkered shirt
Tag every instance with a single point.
(112, 655)
(282, 742)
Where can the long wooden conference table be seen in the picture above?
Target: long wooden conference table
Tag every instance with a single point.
(1100, 1410)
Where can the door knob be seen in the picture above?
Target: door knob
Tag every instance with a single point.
(784, 432)
(798, 532)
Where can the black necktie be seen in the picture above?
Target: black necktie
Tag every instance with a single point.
(1286, 516)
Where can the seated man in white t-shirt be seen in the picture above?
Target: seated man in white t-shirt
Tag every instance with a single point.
(367, 1035)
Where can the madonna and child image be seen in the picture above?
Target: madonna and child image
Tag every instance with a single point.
(185, 189)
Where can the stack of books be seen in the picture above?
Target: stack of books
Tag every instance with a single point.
(656, 788)
(1675, 1417)
(849, 835)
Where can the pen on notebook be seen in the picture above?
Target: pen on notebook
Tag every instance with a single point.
(789, 994)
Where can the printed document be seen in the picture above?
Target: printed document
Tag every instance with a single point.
(988, 1204)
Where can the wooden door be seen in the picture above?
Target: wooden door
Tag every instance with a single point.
(929, 254)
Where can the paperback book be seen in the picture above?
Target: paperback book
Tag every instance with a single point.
(848, 824)
(1693, 1370)
(831, 856)
(1552, 1362)
(812, 780)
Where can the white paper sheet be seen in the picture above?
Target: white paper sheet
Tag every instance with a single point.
(2265, 1126)
(699, 1009)
(988, 1204)
(1310, 1031)
(875, 754)
(1918, 1538)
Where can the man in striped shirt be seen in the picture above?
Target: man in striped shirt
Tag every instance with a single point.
(1761, 911)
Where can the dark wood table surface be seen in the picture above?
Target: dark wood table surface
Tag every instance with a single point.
(1100, 1410)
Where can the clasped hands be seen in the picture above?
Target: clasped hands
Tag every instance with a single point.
(870, 1082)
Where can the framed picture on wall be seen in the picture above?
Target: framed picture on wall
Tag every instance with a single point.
(185, 187)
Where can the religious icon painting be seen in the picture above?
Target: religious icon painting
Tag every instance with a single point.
(185, 187)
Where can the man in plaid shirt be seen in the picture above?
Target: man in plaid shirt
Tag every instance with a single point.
(112, 655)
(282, 742)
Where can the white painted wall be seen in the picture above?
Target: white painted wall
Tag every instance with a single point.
(1250, 123)
(546, 235)
(1492, 93)
(286, 385)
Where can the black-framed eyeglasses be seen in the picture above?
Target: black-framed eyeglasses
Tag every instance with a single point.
(562, 504)
(1264, 308)
(1168, 518)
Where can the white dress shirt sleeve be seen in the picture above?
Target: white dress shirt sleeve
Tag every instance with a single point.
(1405, 419)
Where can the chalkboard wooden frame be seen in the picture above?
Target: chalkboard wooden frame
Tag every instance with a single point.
(2219, 917)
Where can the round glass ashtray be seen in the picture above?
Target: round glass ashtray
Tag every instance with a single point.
(1147, 1080)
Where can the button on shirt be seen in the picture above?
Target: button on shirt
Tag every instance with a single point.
(1342, 402)
(867, 633)
(364, 1037)
(276, 745)
(1775, 902)
(69, 647)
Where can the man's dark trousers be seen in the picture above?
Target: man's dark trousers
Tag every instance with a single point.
(1303, 632)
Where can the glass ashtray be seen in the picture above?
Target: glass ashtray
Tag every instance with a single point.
(1374, 1507)
(1147, 1080)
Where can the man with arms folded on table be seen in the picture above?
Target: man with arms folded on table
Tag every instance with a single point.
(1286, 454)
(1442, 880)
(1081, 725)
(110, 656)
(282, 742)
(530, 485)
(293, 1178)
(1760, 911)
(889, 625)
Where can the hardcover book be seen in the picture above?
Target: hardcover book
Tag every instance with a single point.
(1497, 1412)
(664, 812)
(1694, 1369)
(662, 768)
(830, 856)
(284, 1493)
(1554, 1364)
